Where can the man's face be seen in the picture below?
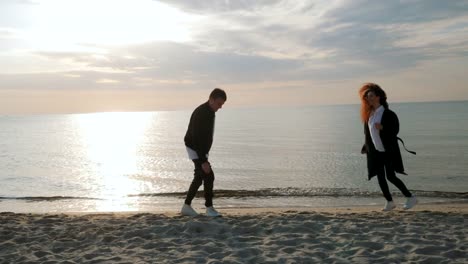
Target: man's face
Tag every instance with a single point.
(216, 104)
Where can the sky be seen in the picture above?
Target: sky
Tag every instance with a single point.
(72, 56)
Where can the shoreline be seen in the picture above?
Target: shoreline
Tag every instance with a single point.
(428, 233)
(163, 204)
(443, 207)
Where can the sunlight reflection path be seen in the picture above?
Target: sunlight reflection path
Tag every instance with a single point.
(111, 142)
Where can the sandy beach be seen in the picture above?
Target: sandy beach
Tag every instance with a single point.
(431, 233)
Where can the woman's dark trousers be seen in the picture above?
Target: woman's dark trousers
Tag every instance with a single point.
(386, 172)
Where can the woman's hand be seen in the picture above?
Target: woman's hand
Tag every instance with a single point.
(364, 149)
(378, 126)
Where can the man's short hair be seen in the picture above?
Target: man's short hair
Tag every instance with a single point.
(218, 93)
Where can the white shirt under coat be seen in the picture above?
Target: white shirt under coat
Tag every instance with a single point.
(376, 118)
(192, 154)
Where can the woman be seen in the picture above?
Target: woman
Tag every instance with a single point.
(381, 127)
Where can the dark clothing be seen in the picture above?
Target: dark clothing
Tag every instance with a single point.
(199, 177)
(389, 174)
(388, 134)
(199, 136)
(385, 164)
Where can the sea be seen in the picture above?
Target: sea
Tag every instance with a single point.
(304, 156)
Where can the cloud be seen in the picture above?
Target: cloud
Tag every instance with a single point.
(345, 38)
(107, 81)
(159, 63)
(171, 60)
(25, 2)
(396, 29)
(6, 33)
(216, 6)
(271, 44)
(397, 12)
(247, 40)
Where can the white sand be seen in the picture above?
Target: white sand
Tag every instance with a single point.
(428, 234)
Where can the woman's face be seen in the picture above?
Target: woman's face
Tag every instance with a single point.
(372, 99)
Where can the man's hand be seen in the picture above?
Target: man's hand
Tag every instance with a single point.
(378, 126)
(206, 167)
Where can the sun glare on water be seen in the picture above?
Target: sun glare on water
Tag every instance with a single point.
(111, 142)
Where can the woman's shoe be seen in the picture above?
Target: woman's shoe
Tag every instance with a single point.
(410, 202)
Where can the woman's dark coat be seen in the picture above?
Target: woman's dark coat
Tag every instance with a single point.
(388, 134)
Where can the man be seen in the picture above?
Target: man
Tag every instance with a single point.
(198, 141)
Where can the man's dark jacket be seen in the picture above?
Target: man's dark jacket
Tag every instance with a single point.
(388, 134)
(199, 136)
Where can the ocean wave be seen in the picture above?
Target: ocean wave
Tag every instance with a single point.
(48, 198)
(260, 193)
(310, 192)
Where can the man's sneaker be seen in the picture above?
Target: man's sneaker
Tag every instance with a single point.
(187, 210)
(210, 211)
(388, 206)
(410, 202)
